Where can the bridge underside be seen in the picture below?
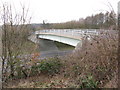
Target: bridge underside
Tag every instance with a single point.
(65, 40)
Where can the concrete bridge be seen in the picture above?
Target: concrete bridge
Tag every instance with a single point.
(71, 37)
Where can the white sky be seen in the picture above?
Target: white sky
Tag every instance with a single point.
(62, 10)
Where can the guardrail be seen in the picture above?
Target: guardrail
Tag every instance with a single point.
(75, 32)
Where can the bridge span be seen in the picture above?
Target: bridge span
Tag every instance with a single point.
(68, 36)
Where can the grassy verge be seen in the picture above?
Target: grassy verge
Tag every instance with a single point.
(29, 47)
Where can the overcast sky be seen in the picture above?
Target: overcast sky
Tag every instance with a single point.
(53, 11)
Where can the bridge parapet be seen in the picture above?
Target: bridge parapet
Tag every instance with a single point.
(90, 31)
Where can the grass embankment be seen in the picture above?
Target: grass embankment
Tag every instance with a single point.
(29, 47)
(93, 66)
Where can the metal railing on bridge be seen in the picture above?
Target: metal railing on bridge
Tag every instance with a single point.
(73, 32)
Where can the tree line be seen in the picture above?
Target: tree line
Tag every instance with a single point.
(101, 20)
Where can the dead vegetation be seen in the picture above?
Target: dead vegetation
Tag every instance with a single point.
(97, 58)
(93, 66)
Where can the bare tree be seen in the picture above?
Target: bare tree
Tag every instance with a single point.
(15, 33)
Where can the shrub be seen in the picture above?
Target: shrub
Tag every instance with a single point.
(48, 66)
(97, 56)
(77, 70)
(89, 82)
